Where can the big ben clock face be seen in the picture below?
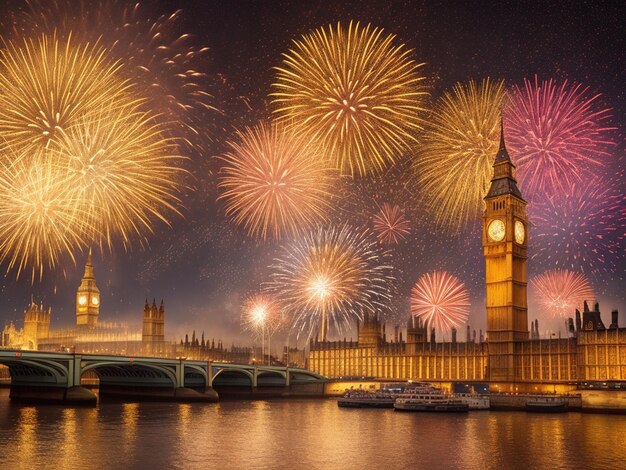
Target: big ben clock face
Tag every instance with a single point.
(520, 232)
(496, 230)
(82, 300)
(95, 300)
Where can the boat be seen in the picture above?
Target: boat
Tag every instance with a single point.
(367, 399)
(383, 397)
(547, 404)
(429, 401)
(475, 401)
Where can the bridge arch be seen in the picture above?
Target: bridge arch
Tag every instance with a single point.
(271, 378)
(195, 377)
(24, 371)
(230, 377)
(132, 374)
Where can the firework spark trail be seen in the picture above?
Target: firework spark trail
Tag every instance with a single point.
(157, 55)
(69, 121)
(582, 230)
(273, 185)
(557, 136)
(390, 224)
(339, 274)
(560, 291)
(355, 93)
(39, 218)
(440, 300)
(48, 84)
(124, 171)
(454, 162)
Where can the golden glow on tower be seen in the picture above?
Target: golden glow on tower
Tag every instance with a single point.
(88, 297)
(505, 250)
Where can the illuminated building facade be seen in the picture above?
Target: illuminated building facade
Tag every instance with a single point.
(510, 357)
(91, 335)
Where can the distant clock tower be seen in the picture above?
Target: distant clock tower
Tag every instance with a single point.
(505, 242)
(87, 297)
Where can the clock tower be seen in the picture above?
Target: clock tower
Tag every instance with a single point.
(87, 297)
(505, 246)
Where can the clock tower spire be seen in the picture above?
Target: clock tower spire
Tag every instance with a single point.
(505, 246)
(88, 297)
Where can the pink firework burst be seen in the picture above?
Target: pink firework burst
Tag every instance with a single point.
(557, 135)
(390, 224)
(440, 300)
(560, 291)
(582, 230)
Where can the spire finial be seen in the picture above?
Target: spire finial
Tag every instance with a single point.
(501, 131)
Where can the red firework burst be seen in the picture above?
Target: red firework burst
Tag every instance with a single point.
(440, 300)
(560, 291)
(582, 230)
(390, 224)
(557, 135)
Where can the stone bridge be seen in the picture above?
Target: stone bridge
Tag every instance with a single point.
(56, 377)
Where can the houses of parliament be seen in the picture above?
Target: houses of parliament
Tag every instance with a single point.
(510, 358)
(92, 335)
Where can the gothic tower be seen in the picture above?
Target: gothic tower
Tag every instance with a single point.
(153, 324)
(87, 297)
(36, 324)
(505, 242)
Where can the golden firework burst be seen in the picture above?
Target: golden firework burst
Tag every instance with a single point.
(454, 162)
(261, 315)
(355, 92)
(39, 217)
(123, 169)
(47, 85)
(272, 184)
(331, 276)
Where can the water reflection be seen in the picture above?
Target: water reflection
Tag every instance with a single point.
(130, 418)
(68, 447)
(26, 433)
(293, 434)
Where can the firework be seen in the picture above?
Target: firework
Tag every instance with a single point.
(272, 183)
(169, 69)
(582, 230)
(39, 218)
(557, 136)
(454, 163)
(390, 224)
(48, 85)
(440, 300)
(331, 276)
(261, 315)
(560, 291)
(123, 171)
(355, 92)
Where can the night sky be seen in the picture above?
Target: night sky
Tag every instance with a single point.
(204, 266)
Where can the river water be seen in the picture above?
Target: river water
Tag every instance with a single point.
(295, 434)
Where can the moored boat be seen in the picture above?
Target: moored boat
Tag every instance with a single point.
(366, 399)
(475, 401)
(547, 404)
(433, 401)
